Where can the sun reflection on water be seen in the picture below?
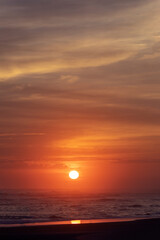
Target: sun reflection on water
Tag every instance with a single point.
(76, 222)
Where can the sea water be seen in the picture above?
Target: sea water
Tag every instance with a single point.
(18, 207)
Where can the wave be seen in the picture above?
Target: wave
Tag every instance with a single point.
(54, 217)
(135, 206)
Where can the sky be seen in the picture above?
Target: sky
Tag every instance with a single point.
(79, 89)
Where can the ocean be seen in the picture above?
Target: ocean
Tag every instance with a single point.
(17, 207)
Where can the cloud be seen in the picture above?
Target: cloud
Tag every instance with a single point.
(78, 72)
(69, 78)
(50, 36)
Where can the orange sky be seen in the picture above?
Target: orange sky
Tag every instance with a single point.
(79, 89)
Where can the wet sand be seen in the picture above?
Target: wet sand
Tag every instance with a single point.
(121, 230)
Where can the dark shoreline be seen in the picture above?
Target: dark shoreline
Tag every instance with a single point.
(125, 230)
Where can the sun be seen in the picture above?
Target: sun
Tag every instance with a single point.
(74, 174)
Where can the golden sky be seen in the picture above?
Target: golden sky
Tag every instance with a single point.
(79, 89)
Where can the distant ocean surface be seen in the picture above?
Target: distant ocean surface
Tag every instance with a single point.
(18, 207)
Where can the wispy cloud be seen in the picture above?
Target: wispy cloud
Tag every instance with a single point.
(82, 72)
(40, 37)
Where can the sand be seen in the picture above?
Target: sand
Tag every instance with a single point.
(125, 230)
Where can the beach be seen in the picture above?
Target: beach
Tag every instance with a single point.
(127, 230)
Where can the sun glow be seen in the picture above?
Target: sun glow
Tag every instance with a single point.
(73, 174)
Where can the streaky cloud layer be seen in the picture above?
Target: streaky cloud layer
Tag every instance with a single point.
(79, 83)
